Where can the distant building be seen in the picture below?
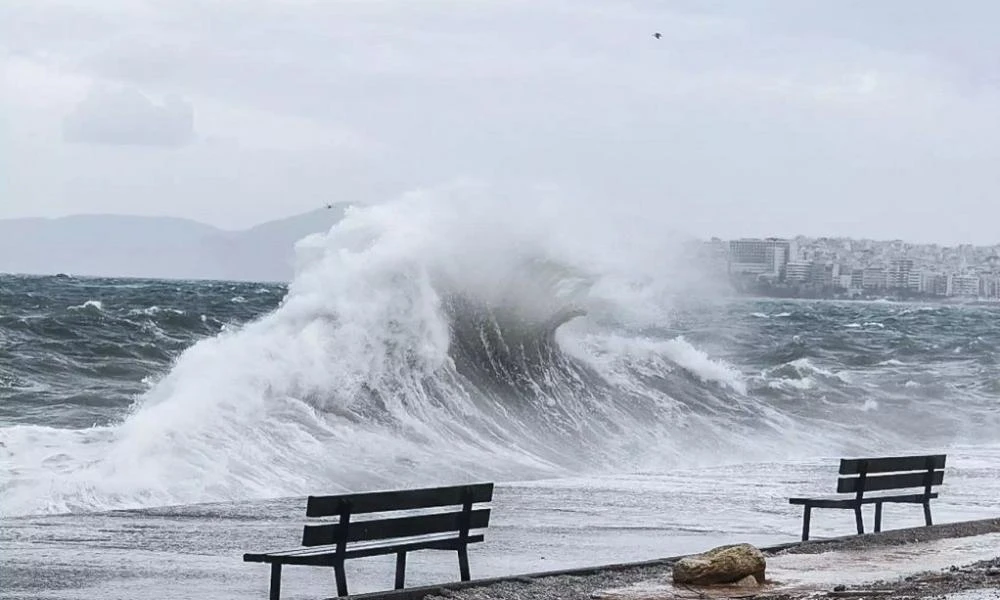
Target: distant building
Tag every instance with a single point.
(990, 287)
(798, 271)
(963, 285)
(993, 263)
(822, 275)
(898, 276)
(857, 278)
(874, 278)
(936, 284)
(756, 256)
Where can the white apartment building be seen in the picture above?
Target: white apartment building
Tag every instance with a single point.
(798, 271)
(756, 256)
(963, 285)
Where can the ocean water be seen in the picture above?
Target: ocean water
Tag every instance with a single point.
(626, 412)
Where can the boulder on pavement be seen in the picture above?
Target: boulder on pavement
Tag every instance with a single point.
(725, 564)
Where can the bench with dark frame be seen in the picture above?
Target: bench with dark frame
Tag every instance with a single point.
(330, 544)
(880, 474)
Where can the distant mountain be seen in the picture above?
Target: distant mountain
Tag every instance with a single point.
(159, 247)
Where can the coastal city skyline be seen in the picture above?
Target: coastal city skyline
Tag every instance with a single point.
(799, 266)
(847, 267)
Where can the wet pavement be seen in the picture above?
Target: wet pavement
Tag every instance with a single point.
(196, 551)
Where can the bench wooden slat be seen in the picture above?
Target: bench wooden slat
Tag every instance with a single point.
(888, 482)
(325, 556)
(369, 502)
(443, 544)
(890, 464)
(378, 529)
(377, 544)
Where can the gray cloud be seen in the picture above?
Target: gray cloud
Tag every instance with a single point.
(125, 116)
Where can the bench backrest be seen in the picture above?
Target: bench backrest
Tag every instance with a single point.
(890, 473)
(347, 505)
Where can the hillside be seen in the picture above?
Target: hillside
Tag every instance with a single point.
(159, 247)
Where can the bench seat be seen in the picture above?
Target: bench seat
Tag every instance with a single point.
(851, 502)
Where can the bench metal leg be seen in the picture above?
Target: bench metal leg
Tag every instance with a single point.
(858, 520)
(400, 569)
(878, 517)
(927, 514)
(275, 593)
(341, 577)
(805, 523)
(463, 562)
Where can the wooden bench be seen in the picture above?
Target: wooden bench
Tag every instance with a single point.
(865, 475)
(330, 544)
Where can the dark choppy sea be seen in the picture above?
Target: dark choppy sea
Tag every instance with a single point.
(126, 393)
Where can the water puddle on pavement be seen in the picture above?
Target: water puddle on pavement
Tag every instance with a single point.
(806, 573)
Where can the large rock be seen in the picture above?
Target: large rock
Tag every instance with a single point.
(725, 564)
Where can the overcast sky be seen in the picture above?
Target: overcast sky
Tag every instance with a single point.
(844, 117)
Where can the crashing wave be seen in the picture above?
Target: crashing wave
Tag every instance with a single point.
(436, 338)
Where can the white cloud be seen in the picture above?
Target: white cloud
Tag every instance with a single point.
(746, 118)
(125, 116)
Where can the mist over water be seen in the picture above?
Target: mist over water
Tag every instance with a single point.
(459, 334)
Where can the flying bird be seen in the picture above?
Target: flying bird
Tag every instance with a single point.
(657, 35)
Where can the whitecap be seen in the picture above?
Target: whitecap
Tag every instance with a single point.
(92, 304)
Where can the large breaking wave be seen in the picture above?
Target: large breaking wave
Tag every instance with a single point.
(437, 338)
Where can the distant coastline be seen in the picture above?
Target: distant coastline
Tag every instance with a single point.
(124, 246)
(765, 290)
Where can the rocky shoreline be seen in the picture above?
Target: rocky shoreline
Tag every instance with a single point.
(982, 575)
(651, 581)
(896, 537)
